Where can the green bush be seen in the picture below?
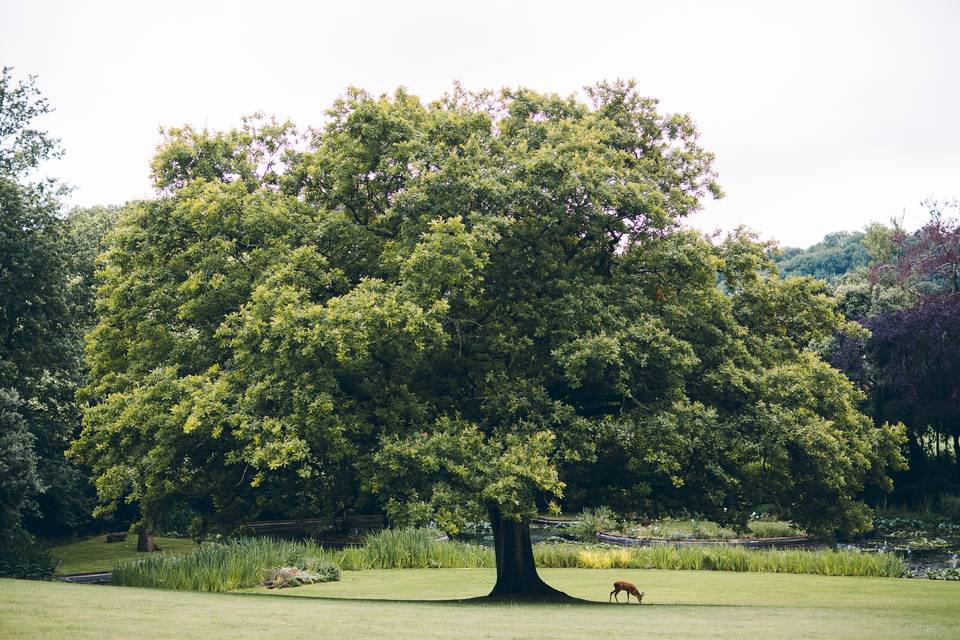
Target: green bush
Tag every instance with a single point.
(326, 570)
(24, 557)
(950, 507)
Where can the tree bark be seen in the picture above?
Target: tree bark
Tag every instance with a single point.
(145, 541)
(517, 576)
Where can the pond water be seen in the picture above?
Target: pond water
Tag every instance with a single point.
(924, 545)
(919, 560)
(538, 533)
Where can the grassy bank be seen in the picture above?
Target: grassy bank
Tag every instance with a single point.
(94, 554)
(363, 606)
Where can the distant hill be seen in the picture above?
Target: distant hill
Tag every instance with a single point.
(837, 254)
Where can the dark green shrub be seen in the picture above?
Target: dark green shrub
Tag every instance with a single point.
(950, 507)
(24, 557)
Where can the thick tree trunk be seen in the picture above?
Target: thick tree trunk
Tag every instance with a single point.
(915, 452)
(516, 573)
(145, 541)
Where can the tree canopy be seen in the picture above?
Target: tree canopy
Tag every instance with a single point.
(909, 299)
(46, 267)
(456, 310)
(838, 253)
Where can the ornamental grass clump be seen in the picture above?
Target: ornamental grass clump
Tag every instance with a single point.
(592, 521)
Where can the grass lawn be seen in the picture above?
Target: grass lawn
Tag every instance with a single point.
(368, 604)
(94, 554)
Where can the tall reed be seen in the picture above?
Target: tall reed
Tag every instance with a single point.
(217, 567)
(413, 549)
(723, 558)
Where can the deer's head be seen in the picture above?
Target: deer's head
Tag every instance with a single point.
(640, 597)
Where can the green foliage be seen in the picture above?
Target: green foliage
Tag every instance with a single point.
(723, 558)
(762, 529)
(943, 574)
(22, 147)
(45, 286)
(24, 557)
(839, 253)
(220, 567)
(592, 521)
(249, 155)
(414, 549)
(908, 301)
(19, 481)
(950, 507)
(695, 529)
(323, 570)
(245, 563)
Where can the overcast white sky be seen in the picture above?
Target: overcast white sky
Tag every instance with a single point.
(823, 115)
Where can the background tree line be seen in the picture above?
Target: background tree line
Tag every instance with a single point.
(47, 265)
(904, 287)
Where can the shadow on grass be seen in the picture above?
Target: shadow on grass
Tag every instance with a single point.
(480, 600)
(483, 601)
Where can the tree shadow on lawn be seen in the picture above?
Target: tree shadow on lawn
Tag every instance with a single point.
(486, 600)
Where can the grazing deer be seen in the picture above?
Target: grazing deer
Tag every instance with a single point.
(629, 588)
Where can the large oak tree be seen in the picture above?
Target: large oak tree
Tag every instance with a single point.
(461, 309)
